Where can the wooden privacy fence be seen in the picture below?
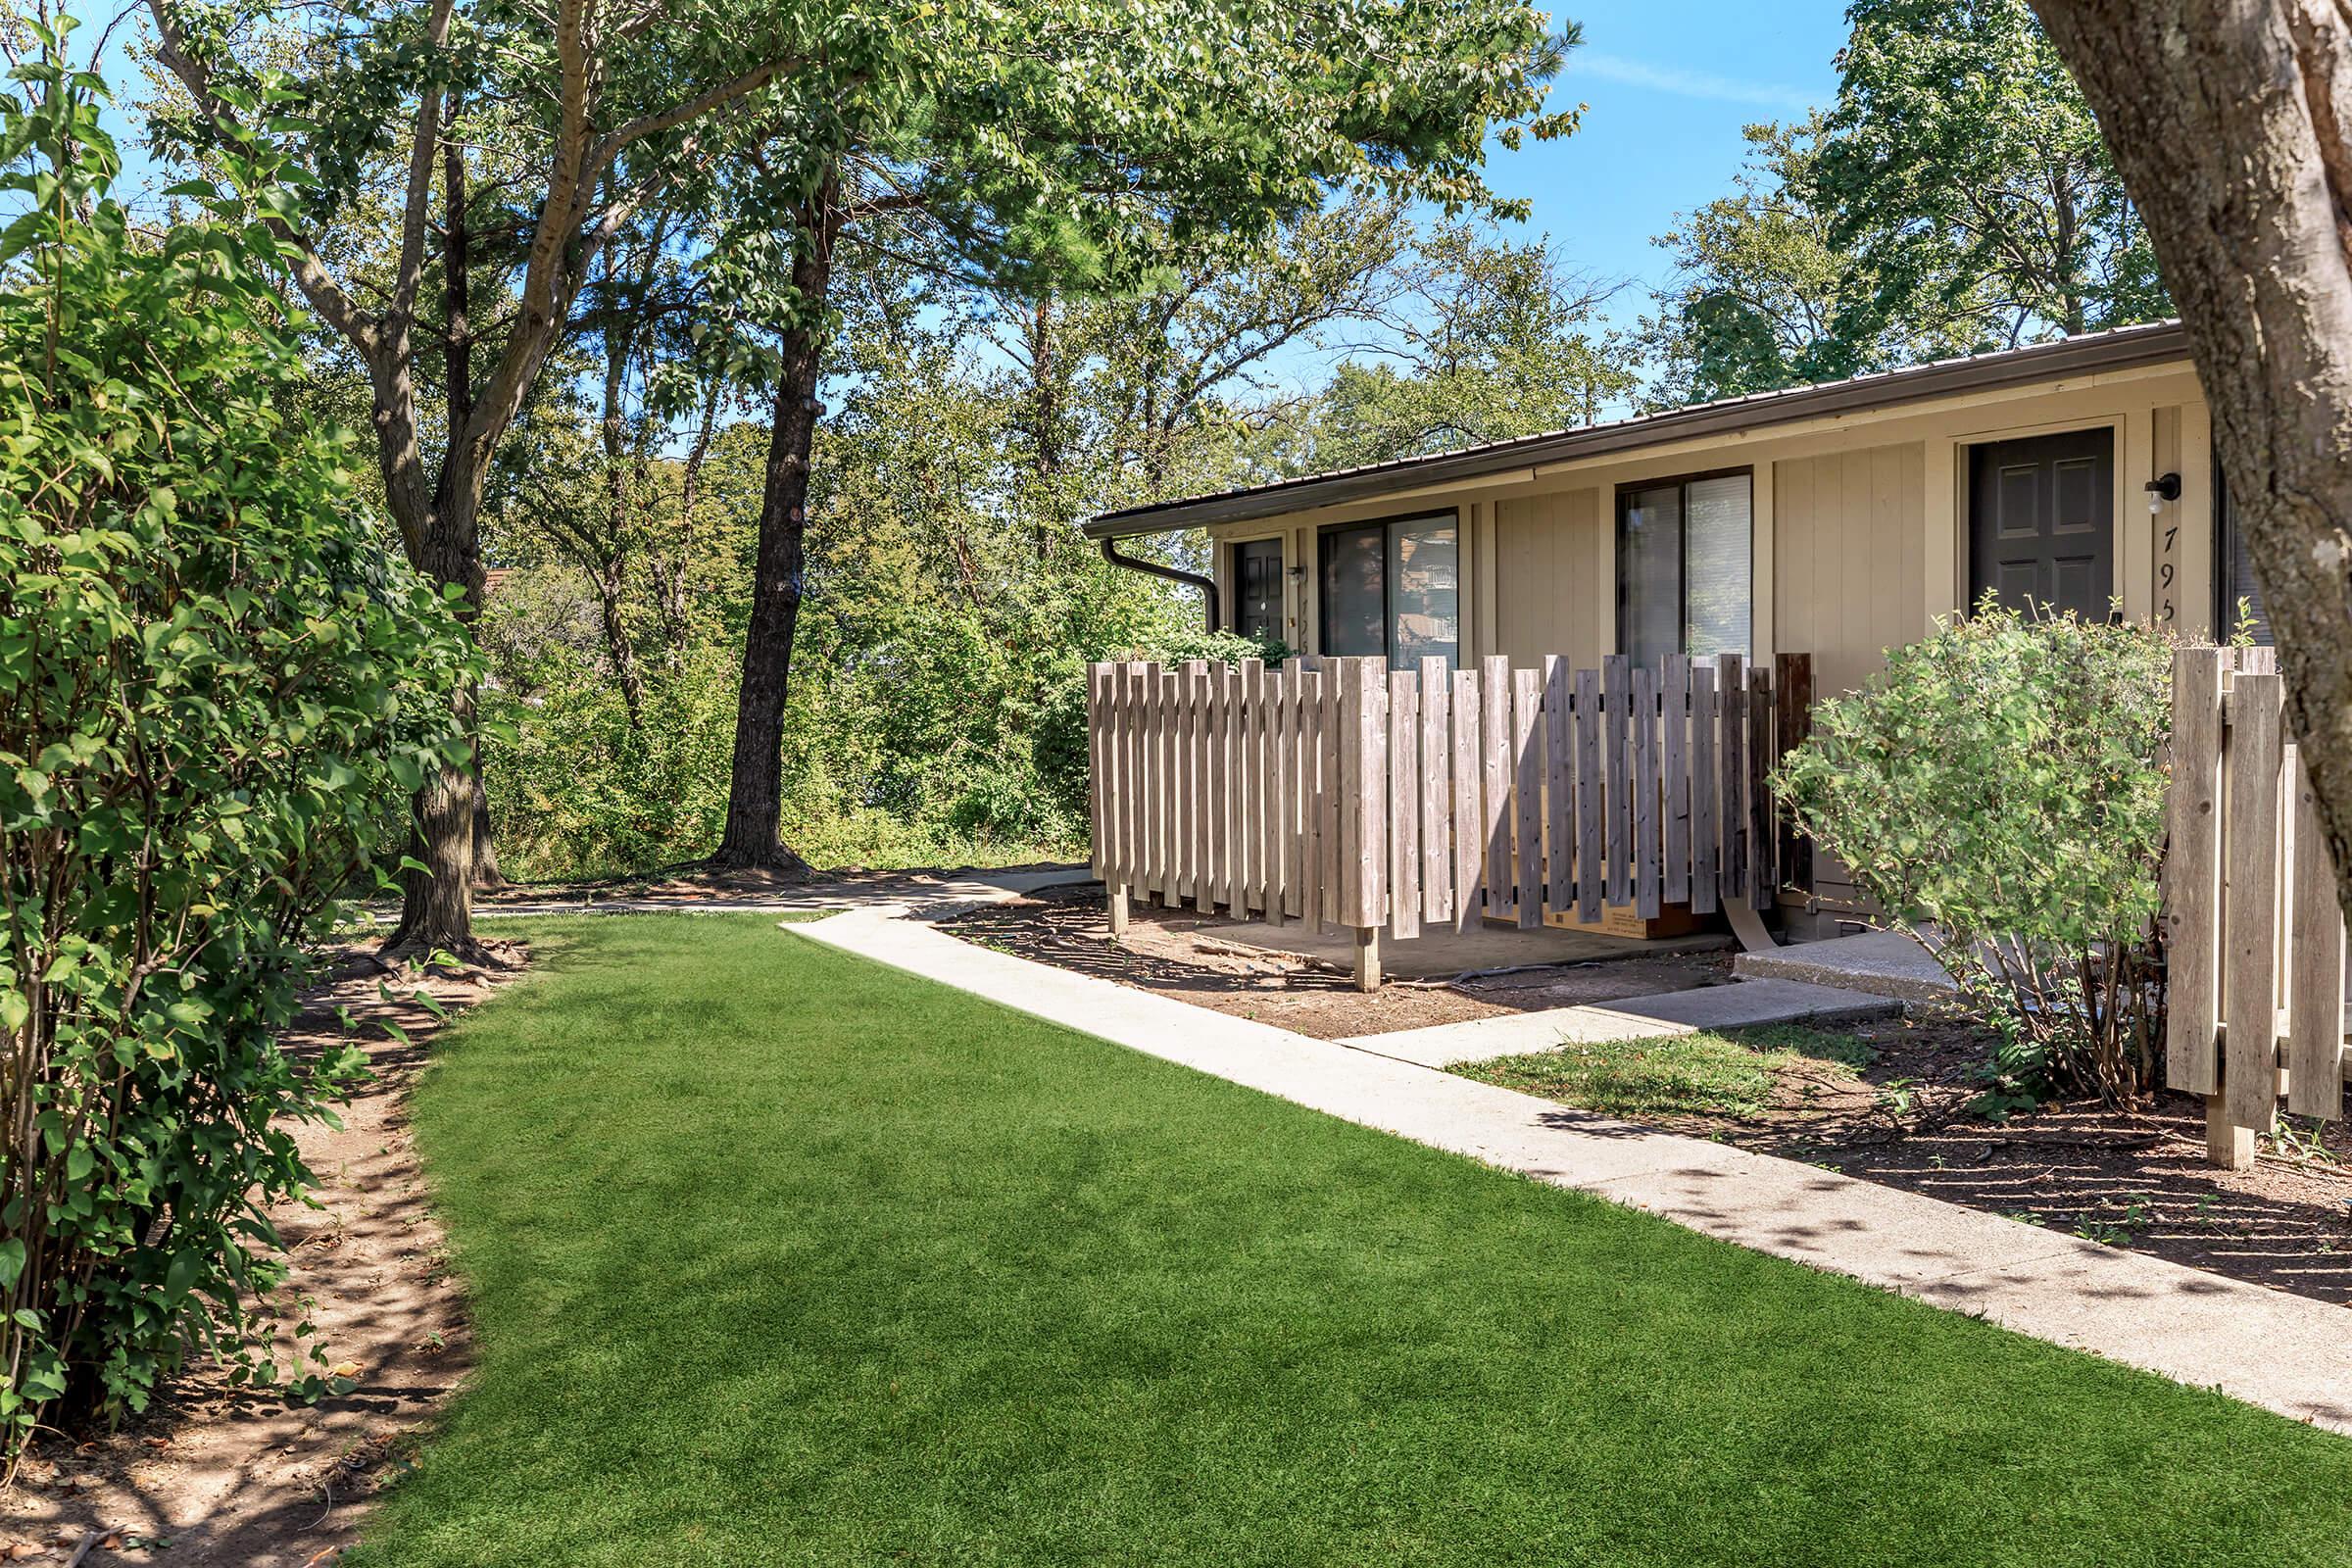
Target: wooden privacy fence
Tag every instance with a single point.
(2254, 937)
(1344, 794)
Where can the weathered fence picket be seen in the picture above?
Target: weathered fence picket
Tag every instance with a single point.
(1346, 794)
(2254, 937)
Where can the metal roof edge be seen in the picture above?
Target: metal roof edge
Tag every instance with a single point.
(2120, 347)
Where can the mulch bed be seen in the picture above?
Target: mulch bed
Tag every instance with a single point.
(213, 1474)
(2136, 1179)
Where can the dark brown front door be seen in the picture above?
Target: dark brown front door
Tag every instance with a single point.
(2041, 521)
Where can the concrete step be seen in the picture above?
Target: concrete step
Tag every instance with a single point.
(1883, 963)
(1743, 1005)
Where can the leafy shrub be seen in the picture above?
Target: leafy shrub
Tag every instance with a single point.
(212, 686)
(2004, 781)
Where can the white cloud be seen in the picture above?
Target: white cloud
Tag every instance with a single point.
(1686, 84)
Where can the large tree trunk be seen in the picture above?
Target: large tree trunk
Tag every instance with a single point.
(2231, 122)
(756, 790)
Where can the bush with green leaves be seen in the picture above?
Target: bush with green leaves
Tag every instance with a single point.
(2002, 783)
(214, 686)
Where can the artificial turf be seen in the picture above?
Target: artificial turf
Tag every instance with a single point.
(779, 1256)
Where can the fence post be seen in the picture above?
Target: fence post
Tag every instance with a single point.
(2250, 994)
(1363, 806)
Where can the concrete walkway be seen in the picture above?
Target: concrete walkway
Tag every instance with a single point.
(1743, 1005)
(2287, 1352)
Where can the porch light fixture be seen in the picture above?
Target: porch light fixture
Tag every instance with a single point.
(2162, 490)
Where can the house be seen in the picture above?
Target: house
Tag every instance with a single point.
(1837, 519)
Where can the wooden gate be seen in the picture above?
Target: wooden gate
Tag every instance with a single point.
(2254, 936)
(1343, 793)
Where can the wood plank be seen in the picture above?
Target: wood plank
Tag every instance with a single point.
(1200, 852)
(1591, 796)
(1329, 799)
(2250, 982)
(1404, 802)
(2315, 1003)
(2192, 879)
(1364, 782)
(1279, 865)
(1167, 731)
(1616, 711)
(1673, 698)
(1706, 791)
(1495, 832)
(1469, 812)
(1763, 837)
(1560, 786)
(1257, 768)
(1730, 701)
(1644, 718)
(1142, 688)
(1792, 714)
(1437, 792)
(1306, 842)
(1097, 772)
(1527, 792)
(1216, 851)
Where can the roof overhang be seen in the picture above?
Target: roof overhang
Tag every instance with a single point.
(2124, 348)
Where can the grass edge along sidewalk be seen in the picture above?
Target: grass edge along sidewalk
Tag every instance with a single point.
(783, 1257)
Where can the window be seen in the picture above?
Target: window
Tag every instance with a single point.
(2232, 572)
(1257, 586)
(1388, 589)
(1686, 567)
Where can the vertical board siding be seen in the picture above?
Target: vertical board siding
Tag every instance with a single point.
(1494, 725)
(1436, 786)
(1404, 802)
(1674, 701)
(1616, 672)
(1705, 792)
(1559, 787)
(2315, 1008)
(1590, 798)
(2194, 874)
(1527, 791)
(2254, 936)
(2250, 1004)
(1469, 843)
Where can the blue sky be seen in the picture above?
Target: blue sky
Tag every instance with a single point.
(1668, 88)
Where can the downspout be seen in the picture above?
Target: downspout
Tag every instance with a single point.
(1206, 585)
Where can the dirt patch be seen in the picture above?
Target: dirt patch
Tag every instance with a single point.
(229, 1476)
(2126, 1178)
(1182, 954)
(2136, 1180)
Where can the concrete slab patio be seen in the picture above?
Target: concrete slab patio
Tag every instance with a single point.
(1885, 964)
(2285, 1352)
(1743, 1005)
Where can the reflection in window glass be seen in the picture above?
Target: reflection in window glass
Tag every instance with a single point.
(1650, 573)
(1717, 554)
(1422, 612)
(1685, 573)
(1355, 595)
(1391, 589)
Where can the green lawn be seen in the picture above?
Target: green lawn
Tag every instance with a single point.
(782, 1257)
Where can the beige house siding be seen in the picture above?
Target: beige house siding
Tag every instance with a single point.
(1554, 582)
(1860, 524)
(1851, 544)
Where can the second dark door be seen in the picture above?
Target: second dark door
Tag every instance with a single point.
(2041, 521)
